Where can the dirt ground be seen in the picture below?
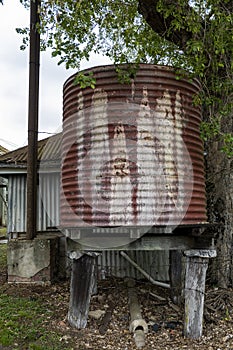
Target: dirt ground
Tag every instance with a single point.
(162, 316)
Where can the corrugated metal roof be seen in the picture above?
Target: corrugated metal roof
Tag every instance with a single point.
(3, 150)
(49, 149)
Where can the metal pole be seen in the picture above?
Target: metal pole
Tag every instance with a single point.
(34, 66)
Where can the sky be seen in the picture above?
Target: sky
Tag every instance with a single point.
(14, 76)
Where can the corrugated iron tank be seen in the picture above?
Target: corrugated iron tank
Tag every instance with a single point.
(132, 153)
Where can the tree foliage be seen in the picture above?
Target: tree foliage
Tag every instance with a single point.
(195, 35)
(114, 28)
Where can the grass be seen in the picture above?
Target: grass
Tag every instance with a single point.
(15, 315)
(26, 322)
(23, 324)
(3, 259)
(2, 231)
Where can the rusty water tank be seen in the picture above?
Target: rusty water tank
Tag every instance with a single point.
(132, 153)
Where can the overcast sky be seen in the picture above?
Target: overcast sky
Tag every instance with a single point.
(14, 81)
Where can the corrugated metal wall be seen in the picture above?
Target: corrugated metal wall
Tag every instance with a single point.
(16, 203)
(109, 262)
(3, 199)
(48, 202)
(155, 263)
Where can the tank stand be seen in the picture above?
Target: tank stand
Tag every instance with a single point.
(194, 292)
(197, 251)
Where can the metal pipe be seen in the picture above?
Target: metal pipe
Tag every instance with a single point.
(143, 272)
(138, 325)
(34, 67)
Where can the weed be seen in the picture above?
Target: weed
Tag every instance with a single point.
(3, 252)
(2, 231)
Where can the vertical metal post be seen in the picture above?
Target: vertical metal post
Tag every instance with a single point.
(34, 66)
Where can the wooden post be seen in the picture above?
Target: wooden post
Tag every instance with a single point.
(82, 282)
(34, 70)
(196, 267)
(176, 276)
(95, 277)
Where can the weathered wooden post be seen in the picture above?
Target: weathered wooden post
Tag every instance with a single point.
(196, 267)
(176, 276)
(82, 283)
(34, 72)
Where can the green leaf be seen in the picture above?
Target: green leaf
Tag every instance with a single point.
(85, 80)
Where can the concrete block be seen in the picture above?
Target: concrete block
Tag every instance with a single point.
(32, 261)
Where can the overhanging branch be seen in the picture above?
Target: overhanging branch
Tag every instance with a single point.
(161, 25)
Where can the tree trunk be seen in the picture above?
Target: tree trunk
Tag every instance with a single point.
(219, 182)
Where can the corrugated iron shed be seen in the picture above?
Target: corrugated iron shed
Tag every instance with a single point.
(49, 149)
(49, 152)
(109, 262)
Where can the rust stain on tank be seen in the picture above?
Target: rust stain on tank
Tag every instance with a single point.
(132, 154)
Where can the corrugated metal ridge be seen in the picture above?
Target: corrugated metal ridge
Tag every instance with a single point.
(164, 71)
(48, 149)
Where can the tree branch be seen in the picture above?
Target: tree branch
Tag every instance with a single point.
(156, 20)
